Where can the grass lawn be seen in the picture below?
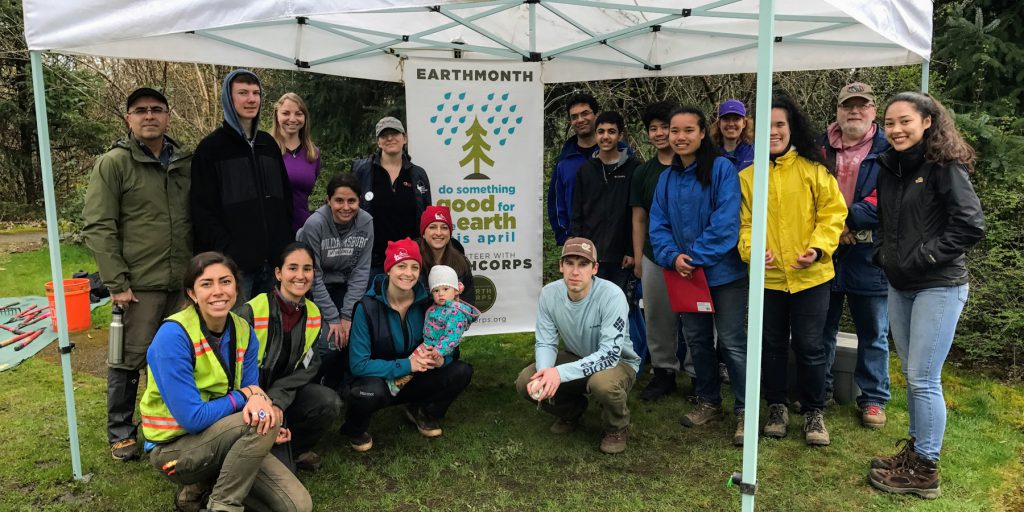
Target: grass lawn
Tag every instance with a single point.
(497, 453)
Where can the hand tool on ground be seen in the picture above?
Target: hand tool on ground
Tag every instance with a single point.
(17, 338)
(10, 309)
(34, 319)
(22, 314)
(31, 337)
(11, 329)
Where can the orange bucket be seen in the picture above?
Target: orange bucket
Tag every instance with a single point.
(76, 302)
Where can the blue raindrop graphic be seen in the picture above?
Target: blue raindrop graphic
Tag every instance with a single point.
(504, 120)
(433, 119)
(469, 108)
(462, 119)
(455, 108)
(490, 120)
(498, 108)
(440, 131)
(504, 96)
(455, 129)
(447, 95)
(519, 120)
(511, 130)
(496, 130)
(440, 107)
(448, 141)
(483, 108)
(447, 119)
(512, 108)
(462, 95)
(490, 96)
(502, 142)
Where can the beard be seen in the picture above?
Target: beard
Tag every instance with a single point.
(855, 129)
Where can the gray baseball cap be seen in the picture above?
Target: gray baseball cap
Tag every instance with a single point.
(389, 123)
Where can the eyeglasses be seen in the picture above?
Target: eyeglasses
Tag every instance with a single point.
(581, 115)
(141, 111)
(862, 108)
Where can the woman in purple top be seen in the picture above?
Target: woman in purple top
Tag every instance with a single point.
(301, 156)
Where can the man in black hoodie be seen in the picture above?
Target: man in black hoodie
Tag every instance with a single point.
(241, 198)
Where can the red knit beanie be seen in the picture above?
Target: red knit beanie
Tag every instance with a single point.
(400, 251)
(436, 214)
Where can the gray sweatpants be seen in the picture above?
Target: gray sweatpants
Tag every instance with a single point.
(662, 322)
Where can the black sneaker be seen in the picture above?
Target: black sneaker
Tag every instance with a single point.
(663, 383)
(361, 443)
(428, 427)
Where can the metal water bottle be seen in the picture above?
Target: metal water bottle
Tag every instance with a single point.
(115, 345)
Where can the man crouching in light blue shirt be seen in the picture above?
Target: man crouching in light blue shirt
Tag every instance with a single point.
(591, 316)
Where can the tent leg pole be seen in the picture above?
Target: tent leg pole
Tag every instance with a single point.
(53, 237)
(924, 75)
(759, 213)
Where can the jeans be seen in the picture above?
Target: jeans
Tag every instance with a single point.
(802, 316)
(254, 282)
(730, 319)
(923, 323)
(871, 319)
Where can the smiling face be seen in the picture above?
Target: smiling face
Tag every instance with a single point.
(685, 136)
(731, 126)
(214, 292)
(290, 117)
(578, 273)
(855, 116)
(904, 125)
(657, 134)
(437, 235)
(778, 135)
(146, 124)
(295, 275)
(582, 118)
(404, 275)
(246, 99)
(608, 137)
(344, 204)
(391, 142)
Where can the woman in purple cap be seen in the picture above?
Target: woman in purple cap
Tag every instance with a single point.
(734, 133)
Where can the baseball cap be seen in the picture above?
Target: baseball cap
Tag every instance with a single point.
(856, 90)
(732, 106)
(389, 123)
(442, 275)
(579, 246)
(144, 92)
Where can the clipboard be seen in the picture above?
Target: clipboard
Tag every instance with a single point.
(688, 295)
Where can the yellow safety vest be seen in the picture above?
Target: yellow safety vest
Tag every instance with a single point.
(261, 324)
(158, 424)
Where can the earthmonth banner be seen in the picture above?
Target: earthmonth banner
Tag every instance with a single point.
(477, 128)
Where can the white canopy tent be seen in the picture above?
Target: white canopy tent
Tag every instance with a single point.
(574, 40)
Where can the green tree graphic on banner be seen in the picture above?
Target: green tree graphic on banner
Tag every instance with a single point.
(477, 149)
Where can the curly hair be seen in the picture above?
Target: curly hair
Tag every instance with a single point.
(801, 136)
(944, 143)
(746, 136)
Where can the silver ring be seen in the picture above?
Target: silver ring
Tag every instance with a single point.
(262, 415)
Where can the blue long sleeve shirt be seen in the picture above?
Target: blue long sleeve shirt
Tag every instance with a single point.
(701, 222)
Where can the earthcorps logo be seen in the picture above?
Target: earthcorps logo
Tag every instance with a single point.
(438, 216)
(477, 122)
(402, 254)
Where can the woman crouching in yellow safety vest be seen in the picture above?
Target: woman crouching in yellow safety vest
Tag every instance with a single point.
(209, 426)
(287, 326)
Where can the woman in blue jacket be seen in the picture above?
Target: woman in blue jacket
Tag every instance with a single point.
(694, 224)
(386, 342)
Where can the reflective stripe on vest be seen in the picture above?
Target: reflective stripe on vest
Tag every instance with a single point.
(261, 324)
(158, 424)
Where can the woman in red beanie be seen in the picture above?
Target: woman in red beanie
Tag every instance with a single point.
(386, 343)
(439, 248)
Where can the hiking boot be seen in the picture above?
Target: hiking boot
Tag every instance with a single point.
(737, 437)
(895, 460)
(125, 450)
(564, 426)
(308, 461)
(778, 421)
(663, 383)
(614, 442)
(705, 412)
(915, 475)
(361, 443)
(192, 497)
(872, 416)
(428, 427)
(815, 432)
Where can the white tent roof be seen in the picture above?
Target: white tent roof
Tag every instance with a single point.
(576, 40)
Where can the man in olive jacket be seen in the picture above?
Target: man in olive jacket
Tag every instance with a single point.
(138, 227)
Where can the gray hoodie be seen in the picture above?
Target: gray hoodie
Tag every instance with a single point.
(342, 256)
(230, 114)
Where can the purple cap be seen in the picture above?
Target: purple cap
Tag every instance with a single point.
(732, 106)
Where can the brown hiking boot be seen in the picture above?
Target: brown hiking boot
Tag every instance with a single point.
(815, 433)
(428, 427)
(192, 497)
(564, 426)
(872, 416)
(705, 412)
(614, 442)
(778, 421)
(308, 461)
(737, 437)
(895, 460)
(125, 450)
(914, 475)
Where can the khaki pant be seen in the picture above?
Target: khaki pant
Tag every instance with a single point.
(237, 460)
(609, 388)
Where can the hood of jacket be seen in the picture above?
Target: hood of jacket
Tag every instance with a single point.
(130, 144)
(230, 114)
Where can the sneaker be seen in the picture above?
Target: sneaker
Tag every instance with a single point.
(872, 416)
(815, 432)
(614, 442)
(895, 460)
(361, 443)
(705, 412)
(428, 427)
(778, 421)
(192, 497)
(663, 383)
(308, 461)
(125, 450)
(914, 475)
(737, 437)
(564, 426)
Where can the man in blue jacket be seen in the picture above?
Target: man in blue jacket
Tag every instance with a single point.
(853, 144)
(583, 110)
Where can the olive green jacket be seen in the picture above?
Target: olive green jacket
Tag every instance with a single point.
(137, 220)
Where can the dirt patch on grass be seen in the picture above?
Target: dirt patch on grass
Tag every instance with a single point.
(21, 241)
(89, 355)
